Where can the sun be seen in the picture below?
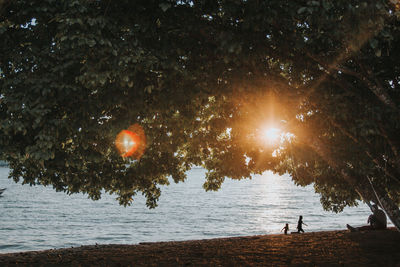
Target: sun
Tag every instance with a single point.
(271, 134)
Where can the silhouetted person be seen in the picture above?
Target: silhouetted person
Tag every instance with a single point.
(300, 225)
(377, 220)
(286, 229)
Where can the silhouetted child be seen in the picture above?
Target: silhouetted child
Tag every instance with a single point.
(286, 228)
(300, 225)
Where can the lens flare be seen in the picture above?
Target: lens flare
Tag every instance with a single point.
(127, 143)
(131, 142)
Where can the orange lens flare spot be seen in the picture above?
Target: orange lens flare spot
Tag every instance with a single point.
(127, 143)
(131, 142)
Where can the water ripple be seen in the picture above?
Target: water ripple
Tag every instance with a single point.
(36, 218)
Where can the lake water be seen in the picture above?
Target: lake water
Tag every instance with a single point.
(37, 218)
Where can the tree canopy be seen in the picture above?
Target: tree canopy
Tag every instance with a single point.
(202, 79)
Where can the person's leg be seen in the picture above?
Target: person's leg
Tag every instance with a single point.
(357, 229)
(365, 228)
(351, 228)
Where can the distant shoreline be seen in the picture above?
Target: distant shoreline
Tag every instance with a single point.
(374, 248)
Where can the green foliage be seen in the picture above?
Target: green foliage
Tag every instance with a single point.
(201, 77)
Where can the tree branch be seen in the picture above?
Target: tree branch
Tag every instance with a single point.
(377, 88)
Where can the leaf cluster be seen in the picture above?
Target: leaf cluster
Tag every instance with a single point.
(200, 77)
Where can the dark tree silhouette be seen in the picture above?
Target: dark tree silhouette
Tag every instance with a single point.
(202, 78)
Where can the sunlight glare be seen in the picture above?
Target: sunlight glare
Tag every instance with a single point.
(271, 134)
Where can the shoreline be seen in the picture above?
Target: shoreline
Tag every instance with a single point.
(331, 248)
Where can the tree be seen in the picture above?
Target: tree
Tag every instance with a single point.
(353, 106)
(201, 78)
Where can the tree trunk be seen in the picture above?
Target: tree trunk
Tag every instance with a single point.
(368, 192)
(383, 201)
(391, 209)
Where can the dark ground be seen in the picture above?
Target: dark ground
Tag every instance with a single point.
(334, 248)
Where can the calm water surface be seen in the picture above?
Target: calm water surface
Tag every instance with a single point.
(37, 218)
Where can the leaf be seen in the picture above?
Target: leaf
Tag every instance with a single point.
(326, 5)
(301, 10)
(373, 43)
(313, 3)
(91, 42)
(164, 6)
(149, 88)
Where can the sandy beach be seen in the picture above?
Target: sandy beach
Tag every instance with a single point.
(331, 248)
